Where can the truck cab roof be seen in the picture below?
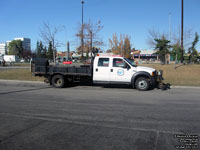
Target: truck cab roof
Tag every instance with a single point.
(107, 56)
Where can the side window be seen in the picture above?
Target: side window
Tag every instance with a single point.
(103, 62)
(117, 62)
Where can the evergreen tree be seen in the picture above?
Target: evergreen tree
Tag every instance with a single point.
(176, 52)
(50, 51)
(163, 48)
(41, 51)
(44, 52)
(192, 50)
(41, 47)
(38, 50)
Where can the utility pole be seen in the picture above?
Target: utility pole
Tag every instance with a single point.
(82, 41)
(182, 33)
(54, 51)
(91, 44)
(68, 51)
(170, 26)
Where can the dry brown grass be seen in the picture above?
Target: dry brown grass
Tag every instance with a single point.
(22, 64)
(187, 75)
(18, 74)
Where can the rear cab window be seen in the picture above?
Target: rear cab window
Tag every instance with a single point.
(103, 62)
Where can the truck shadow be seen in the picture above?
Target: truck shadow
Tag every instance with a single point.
(98, 85)
(166, 86)
(116, 86)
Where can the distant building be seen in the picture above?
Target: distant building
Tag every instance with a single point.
(3, 49)
(26, 43)
(62, 56)
(144, 54)
(7, 44)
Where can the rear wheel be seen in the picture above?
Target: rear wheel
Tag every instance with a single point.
(142, 84)
(58, 81)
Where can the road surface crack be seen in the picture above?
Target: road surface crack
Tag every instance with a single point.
(22, 131)
(156, 141)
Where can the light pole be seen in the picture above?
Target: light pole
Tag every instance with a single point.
(182, 33)
(67, 43)
(82, 42)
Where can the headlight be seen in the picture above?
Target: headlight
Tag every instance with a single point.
(160, 72)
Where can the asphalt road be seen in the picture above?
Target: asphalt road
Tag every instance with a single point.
(38, 117)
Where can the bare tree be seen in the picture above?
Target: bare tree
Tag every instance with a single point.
(175, 37)
(81, 35)
(187, 36)
(48, 34)
(90, 36)
(113, 44)
(92, 31)
(121, 46)
(153, 34)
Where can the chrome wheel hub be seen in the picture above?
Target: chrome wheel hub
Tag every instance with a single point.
(142, 84)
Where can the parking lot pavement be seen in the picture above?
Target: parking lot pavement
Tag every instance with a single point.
(36, 134)
(85, 118)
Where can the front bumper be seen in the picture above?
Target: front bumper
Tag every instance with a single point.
(157, 79)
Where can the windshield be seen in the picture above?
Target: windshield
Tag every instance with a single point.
(131, 62)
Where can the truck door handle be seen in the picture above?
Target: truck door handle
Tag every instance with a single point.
(111, 70)
(96, 69)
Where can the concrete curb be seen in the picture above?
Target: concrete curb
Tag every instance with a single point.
(185, 87)
(4, 80)
(22, 83)
(15, 67)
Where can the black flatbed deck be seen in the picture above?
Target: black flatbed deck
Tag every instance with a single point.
(64, 70)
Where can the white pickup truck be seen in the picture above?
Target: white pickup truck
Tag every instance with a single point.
(103, 70)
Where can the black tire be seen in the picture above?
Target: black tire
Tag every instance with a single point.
(58, 81)
(142, 84)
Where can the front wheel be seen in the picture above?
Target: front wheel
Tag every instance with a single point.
(142, 84)
(58, 81)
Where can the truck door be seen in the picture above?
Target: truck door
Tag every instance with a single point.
(120, 71)
(101, 70)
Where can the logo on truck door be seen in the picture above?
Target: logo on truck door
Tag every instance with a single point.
(120, 72)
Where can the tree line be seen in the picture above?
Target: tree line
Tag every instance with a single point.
(163, 47)
(15, 48)
(43, 51)
(91, 38)
(121, 45)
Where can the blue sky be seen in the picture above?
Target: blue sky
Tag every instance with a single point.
(25, 18)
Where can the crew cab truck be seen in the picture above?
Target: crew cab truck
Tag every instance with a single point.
(103, 70)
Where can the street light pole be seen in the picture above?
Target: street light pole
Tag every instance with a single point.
(82, 42)
(182, 33)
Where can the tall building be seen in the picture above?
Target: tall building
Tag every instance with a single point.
(26, 43)
(3, 49)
